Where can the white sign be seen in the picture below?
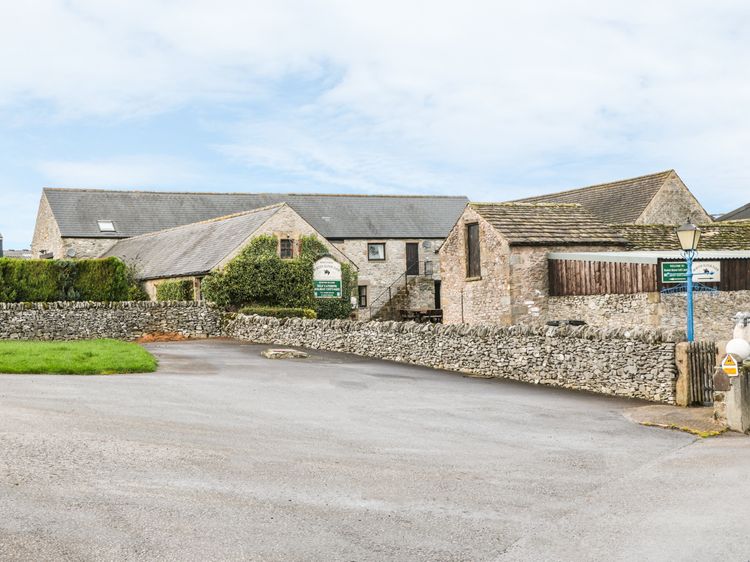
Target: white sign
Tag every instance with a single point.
(707, 271)
(327, 278)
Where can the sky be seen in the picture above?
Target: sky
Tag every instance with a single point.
(491, 99)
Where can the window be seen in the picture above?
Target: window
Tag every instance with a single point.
(106, 226)
(362, 296)
(376, 251)
(473, 267)
(286, 248)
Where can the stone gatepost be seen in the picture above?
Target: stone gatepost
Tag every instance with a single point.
(736, 400)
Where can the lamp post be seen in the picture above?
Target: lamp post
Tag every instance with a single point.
(689, 235)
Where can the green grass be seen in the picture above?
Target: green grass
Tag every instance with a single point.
(95, 357)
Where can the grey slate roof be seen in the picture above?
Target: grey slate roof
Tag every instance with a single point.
(547, 224)
(617, 202)
(334, 216)
(741, 214)
(193, 249)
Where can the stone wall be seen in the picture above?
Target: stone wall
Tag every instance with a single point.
(47, 236)
(638, 364)
(116, 320)
(713, 312)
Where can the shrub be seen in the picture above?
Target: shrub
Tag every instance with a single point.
(64, 280)
(259, 277)
(279, 312)
(178, 290)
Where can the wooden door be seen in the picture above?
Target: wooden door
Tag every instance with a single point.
(412, 258)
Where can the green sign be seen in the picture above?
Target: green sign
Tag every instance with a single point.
(327, 278)
(327, 289)
(674, 272)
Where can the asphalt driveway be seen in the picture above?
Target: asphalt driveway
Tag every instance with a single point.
(225, 455)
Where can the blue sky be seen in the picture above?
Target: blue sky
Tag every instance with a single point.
(494, 100)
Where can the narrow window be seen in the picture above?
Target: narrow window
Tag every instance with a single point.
(362, 293)
(106, 226)
(376, 251)
(473, 268)
(286, 249)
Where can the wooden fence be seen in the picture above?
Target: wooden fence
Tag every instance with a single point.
(574, 277)
(578, 277)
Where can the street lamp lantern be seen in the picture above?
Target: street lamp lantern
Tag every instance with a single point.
(689, 235)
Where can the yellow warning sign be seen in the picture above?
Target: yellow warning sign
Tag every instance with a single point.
(729, 366)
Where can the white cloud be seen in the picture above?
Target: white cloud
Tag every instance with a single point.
(428, 95)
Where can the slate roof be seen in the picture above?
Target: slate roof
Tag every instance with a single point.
(547, 224)
(741, 214)
(714, 236)
(334, 216)
(193, 249)
(617, 202)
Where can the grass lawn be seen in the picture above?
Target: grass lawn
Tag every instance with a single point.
(94, 357)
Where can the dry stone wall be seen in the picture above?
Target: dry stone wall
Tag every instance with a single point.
(636, 363)
(116, 320)
(713, 312)
(639, 364)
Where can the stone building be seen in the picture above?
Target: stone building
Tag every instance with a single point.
(494, 261)
(194, 250)
(661, 198)
(393, 240)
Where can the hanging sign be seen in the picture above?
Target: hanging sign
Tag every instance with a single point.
(327, 278)
(703, 271)
(729, 366)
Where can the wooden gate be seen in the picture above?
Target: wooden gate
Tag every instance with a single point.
(702, 362)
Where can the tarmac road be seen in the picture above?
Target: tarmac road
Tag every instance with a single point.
(225, 455)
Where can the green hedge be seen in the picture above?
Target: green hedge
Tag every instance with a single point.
(279, 312)
(180, 290)
(66, 280)
(259, 277)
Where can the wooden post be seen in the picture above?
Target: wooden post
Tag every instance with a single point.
(682, 390)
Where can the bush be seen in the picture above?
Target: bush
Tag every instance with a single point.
(259, 277)
(179, 290)
(279, 312)
(64, 280)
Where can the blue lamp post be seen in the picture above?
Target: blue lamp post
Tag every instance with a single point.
(689, 235)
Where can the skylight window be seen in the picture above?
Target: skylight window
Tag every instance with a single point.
(106, 226)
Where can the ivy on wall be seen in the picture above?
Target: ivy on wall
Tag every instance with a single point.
(259, 277)
(98, 280)
(178, 290)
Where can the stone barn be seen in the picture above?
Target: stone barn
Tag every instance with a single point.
(661, 198)
(494, 261)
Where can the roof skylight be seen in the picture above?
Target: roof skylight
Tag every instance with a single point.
(106, 226)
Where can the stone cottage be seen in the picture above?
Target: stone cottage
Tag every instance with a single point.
(661, 198)
(192, 251)
(393, 240)
(494, 261)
